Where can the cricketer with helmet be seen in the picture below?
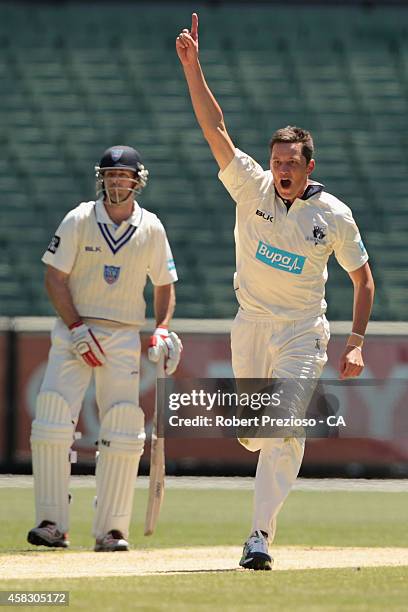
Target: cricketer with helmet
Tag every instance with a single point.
(97, 266)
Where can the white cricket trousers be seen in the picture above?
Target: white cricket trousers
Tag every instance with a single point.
(269, 348)
(116, 381)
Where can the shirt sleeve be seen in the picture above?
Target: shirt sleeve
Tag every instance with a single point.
(62, 250)
(162, 269)
(244, 178)
(349, 249)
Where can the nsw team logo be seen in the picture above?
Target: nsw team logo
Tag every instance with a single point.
(111, 274)
(116, 154)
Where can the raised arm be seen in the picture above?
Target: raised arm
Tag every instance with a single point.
(207, 110)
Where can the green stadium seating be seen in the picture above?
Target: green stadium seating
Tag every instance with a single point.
(78, 78)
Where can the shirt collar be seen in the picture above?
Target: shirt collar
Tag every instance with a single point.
(103, 217)
(312, 189)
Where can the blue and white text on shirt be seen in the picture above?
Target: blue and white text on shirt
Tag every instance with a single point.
(279, 259)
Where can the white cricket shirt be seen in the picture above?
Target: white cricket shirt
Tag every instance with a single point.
(108, 265)
(281, 255)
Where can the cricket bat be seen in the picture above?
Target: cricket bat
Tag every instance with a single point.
(157, 465)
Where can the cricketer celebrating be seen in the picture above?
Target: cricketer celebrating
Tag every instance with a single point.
(286, 228)
(97, 265)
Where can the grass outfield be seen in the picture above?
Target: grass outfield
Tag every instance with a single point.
(373, 589)
(222, 517)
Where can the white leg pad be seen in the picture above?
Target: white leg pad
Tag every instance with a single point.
(52, 434)
(121, 442)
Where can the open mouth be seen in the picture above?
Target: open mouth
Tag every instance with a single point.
(285, 183)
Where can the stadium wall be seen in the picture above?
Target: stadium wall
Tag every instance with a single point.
(24, 345)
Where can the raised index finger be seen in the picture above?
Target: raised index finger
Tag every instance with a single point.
(194, 26)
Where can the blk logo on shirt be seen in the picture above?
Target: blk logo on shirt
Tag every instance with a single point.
(265, 215)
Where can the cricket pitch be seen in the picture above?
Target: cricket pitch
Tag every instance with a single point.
(46, 563)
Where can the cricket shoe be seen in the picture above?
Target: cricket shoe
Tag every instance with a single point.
(48, 534)
(255, 554)
(111, 542)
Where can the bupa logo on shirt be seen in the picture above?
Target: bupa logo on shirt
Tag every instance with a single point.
(281, 260)
(111, 274)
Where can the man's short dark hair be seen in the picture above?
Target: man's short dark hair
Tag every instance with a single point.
(291, 133)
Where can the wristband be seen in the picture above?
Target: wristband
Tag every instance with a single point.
(76, 324)
(162, 330)
(356, 340)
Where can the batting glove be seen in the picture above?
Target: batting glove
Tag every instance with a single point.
(168, 344)
(85, 346)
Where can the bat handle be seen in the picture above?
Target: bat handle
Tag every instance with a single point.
(160, 373)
